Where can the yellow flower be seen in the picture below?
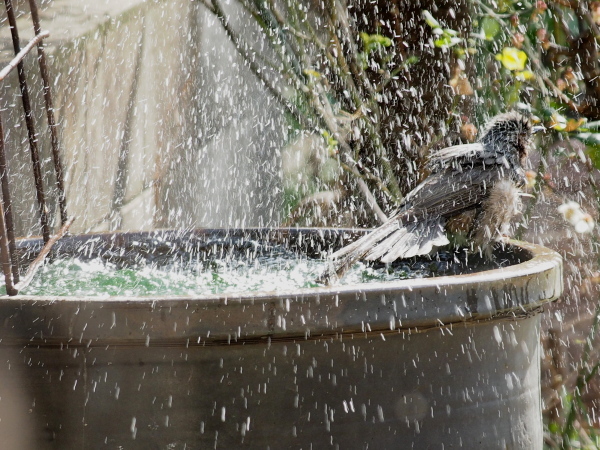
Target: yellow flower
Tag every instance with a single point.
(312, 73)
(524, 75)
(512, 58)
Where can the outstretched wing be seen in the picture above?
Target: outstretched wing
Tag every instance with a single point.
(447, 193)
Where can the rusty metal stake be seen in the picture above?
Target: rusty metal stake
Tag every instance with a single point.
(5, 256)
(30, 122)
(5, 252)
(60, 185)
(7, 204)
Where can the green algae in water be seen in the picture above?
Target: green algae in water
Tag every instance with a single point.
(75, 277)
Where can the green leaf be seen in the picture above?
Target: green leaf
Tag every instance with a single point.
(593, 152)
(383, 41)
(490, 28)
(554, 428)
(513, 94)
(430, 20)
(590, 139)
(504, 5)
(373, 42)
(413, 59)
(330, 141)
(444, 41)
(447, 39)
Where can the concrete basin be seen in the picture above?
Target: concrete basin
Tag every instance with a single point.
(443, 362)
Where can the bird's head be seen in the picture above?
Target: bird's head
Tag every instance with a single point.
(510, 131)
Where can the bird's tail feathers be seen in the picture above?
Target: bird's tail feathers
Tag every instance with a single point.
(388, 243)
(368, 240)
(414, 239)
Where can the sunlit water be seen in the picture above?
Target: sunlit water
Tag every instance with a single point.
(74, 277)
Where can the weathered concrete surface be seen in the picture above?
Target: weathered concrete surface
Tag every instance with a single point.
(162, 124)
(70, 19)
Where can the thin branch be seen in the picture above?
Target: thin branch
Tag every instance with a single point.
(319, 102)
(371, 201)
(317, 99)
(354, 68)
(368, 176)
(277, 14)
(248, 56)
(37, 262)
(354, 64)
(276, 32)
(21, 55)
(562, 22)
(207, 5)
(568, 3)
(344, 78)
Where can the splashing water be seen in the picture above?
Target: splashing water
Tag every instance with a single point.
(76, 277)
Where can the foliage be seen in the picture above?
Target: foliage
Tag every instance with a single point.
(332, 75)
(381, 102)
(548, 58)
(343, 61)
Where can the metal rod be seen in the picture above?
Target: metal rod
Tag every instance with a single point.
(8, 216)
(60, 184)
(37, 262)
(19, 57)
(5, 254)
(30, 122)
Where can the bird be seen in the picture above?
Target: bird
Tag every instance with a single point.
(470, 196)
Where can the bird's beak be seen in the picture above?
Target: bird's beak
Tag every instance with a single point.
(537, 129)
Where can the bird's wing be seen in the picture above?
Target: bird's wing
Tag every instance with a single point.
(446, 159)
(440, 195)
(446, 193)
(449, 154)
